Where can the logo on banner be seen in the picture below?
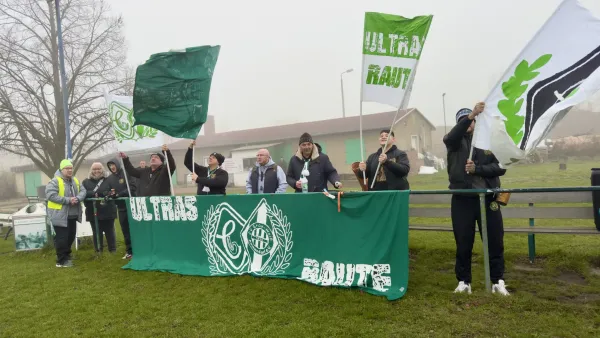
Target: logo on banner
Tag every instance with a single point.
(260, 244)
(122, 120)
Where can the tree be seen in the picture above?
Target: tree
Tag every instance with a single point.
(32, 120)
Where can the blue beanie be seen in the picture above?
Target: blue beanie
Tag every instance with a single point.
(462, 113)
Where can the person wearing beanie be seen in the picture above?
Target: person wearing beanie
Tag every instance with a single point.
(64, 196)
(394, 168)
(211, 180)
(481, 172)
(154, 180)
(312, 166)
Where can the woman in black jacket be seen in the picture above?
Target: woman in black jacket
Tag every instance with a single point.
(96, 187)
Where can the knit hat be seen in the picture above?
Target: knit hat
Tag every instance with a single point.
(65, 163)
(462, 113)
(305, 138)
(220, 158)
(161, 156)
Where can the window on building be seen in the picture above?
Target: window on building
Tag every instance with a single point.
(352, 150)
(414, 142)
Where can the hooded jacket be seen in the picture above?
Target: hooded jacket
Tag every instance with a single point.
(393, 172)
(152, 183)
(59, 217)
(319, 166)
(272, 177)
(215, 182)
(105, 209)
(458, 145)
(117, 181)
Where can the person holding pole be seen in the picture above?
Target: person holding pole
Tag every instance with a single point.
(482, 171)
(394, 165)
(120, 185)
(96, 186)
(154, 180)
(211, 180)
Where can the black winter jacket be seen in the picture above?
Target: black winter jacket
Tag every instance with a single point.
(117, 181)
(395, 170)
(152, 183)
(106, 209)
(217, 182)
(320, 168)
(458, 145)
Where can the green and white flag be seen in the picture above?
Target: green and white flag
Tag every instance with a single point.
(128, 136)
(391, 51)
(558, 69)
(172, 90)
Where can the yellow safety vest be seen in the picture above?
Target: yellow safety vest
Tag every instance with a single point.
(61, 192)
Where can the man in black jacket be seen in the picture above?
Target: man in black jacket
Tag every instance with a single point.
(117, 187)
(318, 166)
(482, 172)
(394, 165)
(155, 179)
(96, 186)
(211, 180)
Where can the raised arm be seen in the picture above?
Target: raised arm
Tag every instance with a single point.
(130, 169)
(187, 161)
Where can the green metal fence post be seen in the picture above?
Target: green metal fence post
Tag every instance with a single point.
(484, 233)
(531, 237)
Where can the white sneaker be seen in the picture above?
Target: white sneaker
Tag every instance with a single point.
(500, 288)
(462, 287)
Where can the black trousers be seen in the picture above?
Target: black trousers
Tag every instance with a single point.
(63, 240)
(465, 212)
(124, 220)
(106, 228)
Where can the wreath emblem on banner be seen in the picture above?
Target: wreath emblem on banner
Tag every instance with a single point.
(260, 244)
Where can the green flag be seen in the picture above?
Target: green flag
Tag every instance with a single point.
(172, 90)
(293, 236)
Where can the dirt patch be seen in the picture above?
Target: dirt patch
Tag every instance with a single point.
(571, 278)
(584, 298)
(595, 271)
(527, 268)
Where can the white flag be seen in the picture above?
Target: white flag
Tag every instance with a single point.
(391, 51)
(127, 136)
(559, 68)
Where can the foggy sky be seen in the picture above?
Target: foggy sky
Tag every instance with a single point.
(280, 62)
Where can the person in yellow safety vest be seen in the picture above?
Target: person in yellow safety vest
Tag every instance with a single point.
(64, 195)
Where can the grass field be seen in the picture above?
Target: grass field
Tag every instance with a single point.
(558, 296)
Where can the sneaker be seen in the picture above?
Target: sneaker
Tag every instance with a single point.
(462, 287)
(66, 264)
(127, 256)
(500, 288)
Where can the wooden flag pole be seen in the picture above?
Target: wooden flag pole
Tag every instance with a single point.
(362, 151)
(169, 173)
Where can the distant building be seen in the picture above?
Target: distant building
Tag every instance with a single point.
(339, 139)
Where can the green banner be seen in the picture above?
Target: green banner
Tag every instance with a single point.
(172, 91)
(394, 35)
(293, 236)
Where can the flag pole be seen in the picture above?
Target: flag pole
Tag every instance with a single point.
(169, 173)
(400, 107)
(125, 174)
(362, 151)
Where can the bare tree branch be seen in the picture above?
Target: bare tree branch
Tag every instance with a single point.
(31, 109)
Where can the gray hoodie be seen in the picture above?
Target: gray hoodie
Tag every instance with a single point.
(261, 170)
(59, 217)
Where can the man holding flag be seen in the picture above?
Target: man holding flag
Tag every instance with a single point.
(480, 172)
(156, 179)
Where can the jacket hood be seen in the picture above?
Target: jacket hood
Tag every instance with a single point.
(268, 163)
(116, 162)
(315, 153)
